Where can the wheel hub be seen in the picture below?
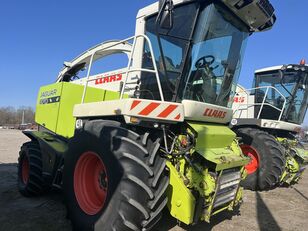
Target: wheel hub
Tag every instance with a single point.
(252, 153)
(103, 180)
(90, 183)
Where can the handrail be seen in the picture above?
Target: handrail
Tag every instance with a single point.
(129, 68)
(153, 61)
(88, 77)
(248, 105)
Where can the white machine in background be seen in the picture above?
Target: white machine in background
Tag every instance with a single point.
(268, 117)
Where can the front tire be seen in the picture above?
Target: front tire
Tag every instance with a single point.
(267, 159)
(114, 179)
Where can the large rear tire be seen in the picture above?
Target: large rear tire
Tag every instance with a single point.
(30, 179)
(267, 159)
(114, 179)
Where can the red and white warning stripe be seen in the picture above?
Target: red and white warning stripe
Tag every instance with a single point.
(157, 109)
(143, 108)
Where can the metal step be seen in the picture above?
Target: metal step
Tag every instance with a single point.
(225, 196)
(227, 187)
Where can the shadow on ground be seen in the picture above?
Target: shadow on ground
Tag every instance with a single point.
(279, 209)
(300, 193)
(48, 212)
(169, 223)
(19, 213)
(265, 219)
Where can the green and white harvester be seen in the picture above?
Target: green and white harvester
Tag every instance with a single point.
(123, 145)
(268, 118)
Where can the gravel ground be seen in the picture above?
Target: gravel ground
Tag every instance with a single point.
(279, 209)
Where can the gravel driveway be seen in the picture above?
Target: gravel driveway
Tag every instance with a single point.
(279, 209)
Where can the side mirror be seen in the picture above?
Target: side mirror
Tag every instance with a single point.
(166, 14)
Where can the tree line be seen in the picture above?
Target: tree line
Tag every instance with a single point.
(13, 116)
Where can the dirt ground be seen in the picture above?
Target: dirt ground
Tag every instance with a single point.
(279, 209)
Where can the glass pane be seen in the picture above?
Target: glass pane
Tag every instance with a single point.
(174, 45)
(206, 67)
(292, 86)
(215, 59)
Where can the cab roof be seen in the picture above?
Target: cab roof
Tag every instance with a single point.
(273, 68)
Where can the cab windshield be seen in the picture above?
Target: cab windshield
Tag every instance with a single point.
(293, 85)
(215, 59)
(202, 55)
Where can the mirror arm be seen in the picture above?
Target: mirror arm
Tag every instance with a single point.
(157, 24)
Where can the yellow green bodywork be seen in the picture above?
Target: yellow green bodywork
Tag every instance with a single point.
(55, 104)
(296, 158)
(302, 153)
(217, 144)
(181, 201)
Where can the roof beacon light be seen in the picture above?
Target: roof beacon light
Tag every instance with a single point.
(302, 62)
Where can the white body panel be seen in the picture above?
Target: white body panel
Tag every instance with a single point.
(140, 108)
(206, 112)
(111, 81)
(156, 110)
(99, 51)
(244, 114)
(243, 103)
(107, 81)
(153, 8)
(266, 69)
(273, 68)
(274, 124)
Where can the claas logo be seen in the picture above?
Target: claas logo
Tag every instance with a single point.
(215, 113)
(240, 99)
(108, 79)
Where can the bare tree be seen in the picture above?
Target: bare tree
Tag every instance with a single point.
(11, 115)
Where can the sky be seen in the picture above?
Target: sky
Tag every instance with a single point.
(37, 36)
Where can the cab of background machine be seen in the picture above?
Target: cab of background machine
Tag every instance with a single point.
(288, 92)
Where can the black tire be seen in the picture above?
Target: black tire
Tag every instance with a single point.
(271, 159)
(30, 179)
(137, 179)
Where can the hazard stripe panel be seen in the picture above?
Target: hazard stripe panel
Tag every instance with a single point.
(151, 110)
(156, 109)
(177, 117)
(148, 109)
(167, 111)
(134, 104)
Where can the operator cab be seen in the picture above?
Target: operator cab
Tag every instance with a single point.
(288, 92)
(185, 52)
(199, 58)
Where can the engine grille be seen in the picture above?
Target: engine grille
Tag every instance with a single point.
(227, 187)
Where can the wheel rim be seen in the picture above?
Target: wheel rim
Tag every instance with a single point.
(252, 153)
(90, 183)
(25, 168)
